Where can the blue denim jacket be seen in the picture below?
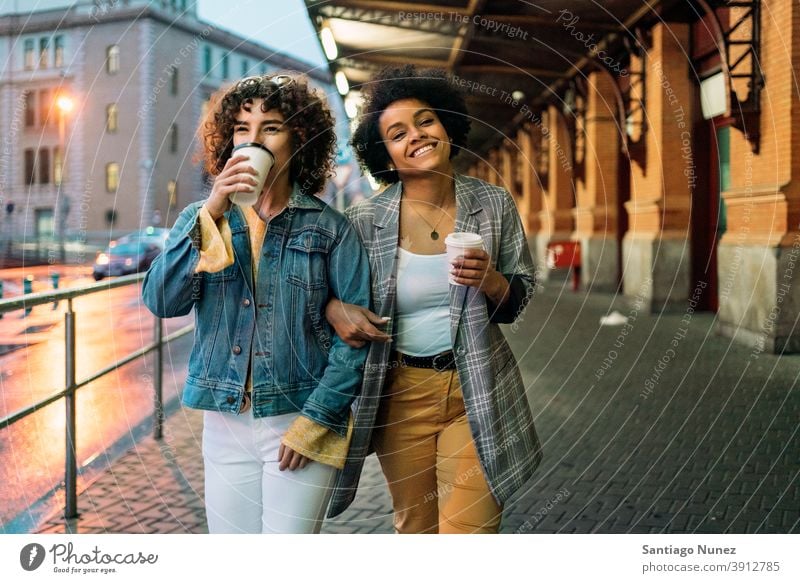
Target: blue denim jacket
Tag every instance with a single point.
(310, 253)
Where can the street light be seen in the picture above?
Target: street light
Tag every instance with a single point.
(64, 104)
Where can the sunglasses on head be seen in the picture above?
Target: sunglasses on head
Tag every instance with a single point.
(279, 80)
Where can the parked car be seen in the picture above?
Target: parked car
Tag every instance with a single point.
(122, 258)
(157, 235)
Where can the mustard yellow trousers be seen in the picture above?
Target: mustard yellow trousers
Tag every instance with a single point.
(428, 456)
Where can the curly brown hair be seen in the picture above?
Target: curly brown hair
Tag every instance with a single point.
(306, 113)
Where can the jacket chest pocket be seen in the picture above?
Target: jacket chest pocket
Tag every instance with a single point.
(227, 274)
(307, 257)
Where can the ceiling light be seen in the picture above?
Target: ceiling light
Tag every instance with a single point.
(328, 43)
(341, 83)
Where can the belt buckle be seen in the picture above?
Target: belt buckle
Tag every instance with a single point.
(446, 362)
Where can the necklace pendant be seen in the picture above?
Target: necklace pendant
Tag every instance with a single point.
(434, 235)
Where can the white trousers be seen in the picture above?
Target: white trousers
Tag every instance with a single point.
(245, 490)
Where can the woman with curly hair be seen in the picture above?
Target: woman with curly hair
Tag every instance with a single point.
(275, 384)
(443, 405)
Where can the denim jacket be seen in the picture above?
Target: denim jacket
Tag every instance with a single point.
(277, 323)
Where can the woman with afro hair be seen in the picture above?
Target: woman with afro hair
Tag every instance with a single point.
(274, 383)
(443, 403)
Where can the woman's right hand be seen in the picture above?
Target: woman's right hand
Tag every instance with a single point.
(236, 176)
(354, 324)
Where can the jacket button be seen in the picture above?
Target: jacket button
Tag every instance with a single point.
(245, 302)
(237, 349)
(460, 351)
(230, 400)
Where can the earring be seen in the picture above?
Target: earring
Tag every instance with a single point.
(391, 168)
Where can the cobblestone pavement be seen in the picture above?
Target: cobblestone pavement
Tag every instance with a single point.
(657, 426)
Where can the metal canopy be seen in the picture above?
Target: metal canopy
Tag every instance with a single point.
(512, 56)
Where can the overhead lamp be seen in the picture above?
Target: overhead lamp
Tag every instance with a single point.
(341, 83)
(351, 105)
(328, 43)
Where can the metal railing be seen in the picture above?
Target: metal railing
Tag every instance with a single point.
(28, 301)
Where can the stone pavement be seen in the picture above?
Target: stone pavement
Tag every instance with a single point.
(656, 426)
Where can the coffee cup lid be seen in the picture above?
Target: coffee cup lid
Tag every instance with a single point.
(461, 239)
(252, 145)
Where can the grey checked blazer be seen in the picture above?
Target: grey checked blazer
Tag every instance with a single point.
(494, 394)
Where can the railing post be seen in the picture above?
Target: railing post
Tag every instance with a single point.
(27, 288)
(71, 470)
(158, 376)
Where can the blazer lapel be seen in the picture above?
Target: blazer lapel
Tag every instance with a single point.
(468, 205)
(385, 222)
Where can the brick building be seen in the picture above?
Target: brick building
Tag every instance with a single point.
(139, 73)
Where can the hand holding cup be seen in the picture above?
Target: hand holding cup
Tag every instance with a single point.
(241, 180)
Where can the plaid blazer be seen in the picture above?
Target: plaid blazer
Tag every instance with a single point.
(494, 394)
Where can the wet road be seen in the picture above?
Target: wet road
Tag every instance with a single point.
(109, 325)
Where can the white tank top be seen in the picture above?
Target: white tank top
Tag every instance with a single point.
(423, 304)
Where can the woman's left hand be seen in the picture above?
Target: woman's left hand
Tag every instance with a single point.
(290, 459)
(474, 269)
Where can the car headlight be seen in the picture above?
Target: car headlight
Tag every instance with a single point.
(128, 262)
(102, 259)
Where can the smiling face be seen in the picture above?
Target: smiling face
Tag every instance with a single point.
(415, 138)
(267, 128)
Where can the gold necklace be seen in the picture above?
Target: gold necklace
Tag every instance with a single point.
(434, 233)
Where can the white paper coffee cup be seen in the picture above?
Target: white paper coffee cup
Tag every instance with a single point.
(457, 243)
(261, 159)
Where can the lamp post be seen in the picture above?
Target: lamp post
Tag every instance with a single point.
(64, 105)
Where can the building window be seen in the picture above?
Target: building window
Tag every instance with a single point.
(173, 138)
(207, 60)
(58, 166)
(30, 109)
(111, 117)
(111, 217)
(45, 103)
(245, 67)
(112, 177)
(112, 59)
(44, 52)
(58, 57)
(44, 166)
(30, 166)
(173, 80)
(225, 66)
(172, 193)
(28, 62)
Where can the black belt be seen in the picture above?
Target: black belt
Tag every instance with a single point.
(438, 362)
